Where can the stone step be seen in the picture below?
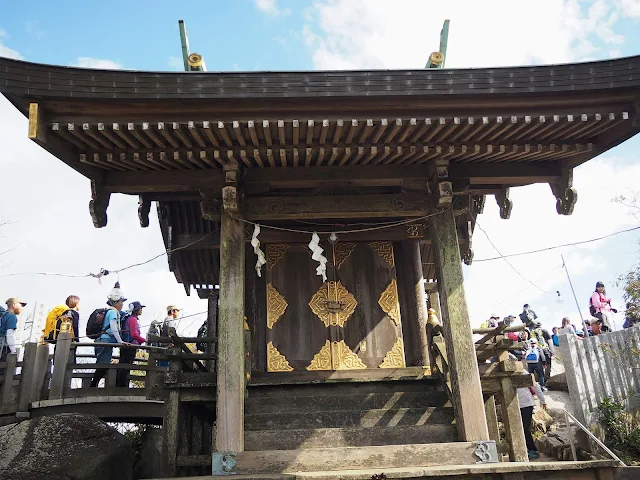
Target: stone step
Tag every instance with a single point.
(351, 458)
(377, 417)
(361, 401)
(428, 385)
(347, 437)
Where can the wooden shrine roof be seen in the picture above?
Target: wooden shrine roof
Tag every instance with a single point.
(167, 135)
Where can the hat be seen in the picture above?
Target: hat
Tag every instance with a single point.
(116, 295)
(526, 305)
(538, 324)
(494, 315)
(533, 341)
(13, 301)
(171, 308)
(133, 306)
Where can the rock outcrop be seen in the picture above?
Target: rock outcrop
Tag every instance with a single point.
(557, 382)
(150, 463)
(65, 447)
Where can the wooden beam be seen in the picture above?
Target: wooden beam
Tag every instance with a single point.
(340, 206)
(505, 173)
(162, 181)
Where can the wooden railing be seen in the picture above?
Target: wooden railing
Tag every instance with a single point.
(68, 373)
(500, 379)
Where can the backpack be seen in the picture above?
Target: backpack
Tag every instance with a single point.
(592, 308)
(125, 331)
(533, 356)
(94, 324)
(53, 323)
(202, 332)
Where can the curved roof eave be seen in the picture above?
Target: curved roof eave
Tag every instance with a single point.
(25, 79)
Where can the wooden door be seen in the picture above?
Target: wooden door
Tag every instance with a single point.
(351, 321)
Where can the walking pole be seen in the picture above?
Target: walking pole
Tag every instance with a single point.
(584, 325)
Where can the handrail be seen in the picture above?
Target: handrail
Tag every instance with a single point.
(591, 435)
(116, 345)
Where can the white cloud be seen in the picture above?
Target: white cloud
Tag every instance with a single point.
(89, 62)
(176, 63)
(271, 8)
(52, 229)
(630, 8)
(401, 34)
(6, 51)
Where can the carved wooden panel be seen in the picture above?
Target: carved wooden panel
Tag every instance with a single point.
(375, 326)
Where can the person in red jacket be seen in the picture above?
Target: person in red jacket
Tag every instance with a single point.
(131, 333)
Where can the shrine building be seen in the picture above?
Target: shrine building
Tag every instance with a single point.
(390, 168)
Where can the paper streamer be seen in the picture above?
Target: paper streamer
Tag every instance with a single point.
(255, 243)
(314, 245)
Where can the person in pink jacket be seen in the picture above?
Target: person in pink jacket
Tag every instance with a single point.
(600, 307)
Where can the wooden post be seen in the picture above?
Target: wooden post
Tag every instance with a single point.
(212, 326)
(40, 373)
(465, 380)
(230, 366)
(60, 366)
(512, 421)
(172, 419)
(7, 386)
(492, 418)
(27, 376)
(419, 297)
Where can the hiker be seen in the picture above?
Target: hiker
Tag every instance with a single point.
(110, 332)
(72, 303)
(543, 338)
(630, 319)
(8, 326)
(170, 323)
(600, 307)
(536, 361)
(555, 340)
(527, 402)
(567, 328)
(130, 333)
(492, 322)
(528, 316)
(596, 327)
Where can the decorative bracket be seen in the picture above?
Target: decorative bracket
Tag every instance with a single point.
(144, 207)
(467, 254)
(443, 187)
(486, 451)
(566, 195)
(477, 202)
(98, 204)
(230, 200)
(505, 204)
(223, 463)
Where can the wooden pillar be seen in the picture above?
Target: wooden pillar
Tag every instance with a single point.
(27, 375)
(6, 394)
(418, 295)
(492, 418)
(465, 378)
(172, 418)
(229, 436)
(212, 325)
(512, 421)
(60, 366)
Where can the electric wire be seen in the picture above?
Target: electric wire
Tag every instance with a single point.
(555, 247)
(508, 262)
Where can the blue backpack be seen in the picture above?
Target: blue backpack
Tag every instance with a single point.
(532, 355)
(125, 332)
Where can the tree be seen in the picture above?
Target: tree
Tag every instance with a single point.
(630, 281)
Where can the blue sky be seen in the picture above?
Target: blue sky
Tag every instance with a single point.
(323, 34)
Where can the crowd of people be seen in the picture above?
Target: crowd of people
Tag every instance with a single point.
(537, 347)
(106, 326)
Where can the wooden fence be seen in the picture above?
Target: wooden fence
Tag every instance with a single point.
(606, 365)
